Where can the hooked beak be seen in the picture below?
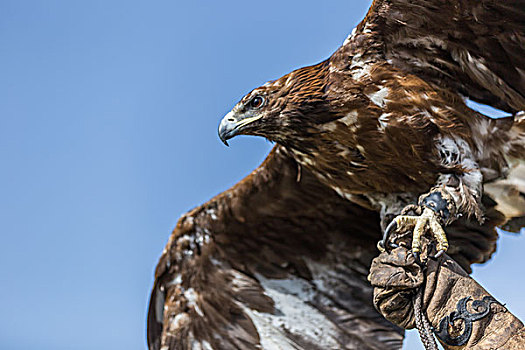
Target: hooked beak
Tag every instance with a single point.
(231, 125)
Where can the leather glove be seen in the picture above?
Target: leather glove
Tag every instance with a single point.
(479, 322)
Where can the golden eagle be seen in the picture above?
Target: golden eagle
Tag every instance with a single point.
(280, 260)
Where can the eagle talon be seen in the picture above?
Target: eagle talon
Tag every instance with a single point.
(438, 254)
(428, 220)
(386, 237)
(381, 246)
(417, 257)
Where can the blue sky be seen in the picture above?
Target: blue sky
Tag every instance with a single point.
(108, 133)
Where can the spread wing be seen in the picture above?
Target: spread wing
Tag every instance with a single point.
(474, 47)
(276, 260)
(279, 261)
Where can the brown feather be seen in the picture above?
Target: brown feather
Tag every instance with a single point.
(213, 277)
(283, 258)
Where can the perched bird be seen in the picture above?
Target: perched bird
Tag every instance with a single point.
(384, 119)
(280, 260)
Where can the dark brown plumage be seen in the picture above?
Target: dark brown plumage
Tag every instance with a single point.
(385, 114)
(231, 263)
(280, 260)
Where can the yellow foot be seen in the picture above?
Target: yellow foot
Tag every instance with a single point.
(427, 220)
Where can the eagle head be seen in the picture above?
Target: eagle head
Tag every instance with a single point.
(285, 110)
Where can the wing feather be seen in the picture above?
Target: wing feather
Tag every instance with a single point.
(277, 262)
(474, 47)
(271, 260)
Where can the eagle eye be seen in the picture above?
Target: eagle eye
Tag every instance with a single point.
(256, 102)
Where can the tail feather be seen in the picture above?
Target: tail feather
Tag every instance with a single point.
(514, 225)
(516, 146)
(509, 193)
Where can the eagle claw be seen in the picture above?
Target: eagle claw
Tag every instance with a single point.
(435, 209)
(381, 246)
(427, 220)
(417, 258)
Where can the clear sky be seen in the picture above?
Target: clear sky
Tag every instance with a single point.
(108, 133)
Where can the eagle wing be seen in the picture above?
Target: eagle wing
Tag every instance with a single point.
(279, 261)
(473, 47)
